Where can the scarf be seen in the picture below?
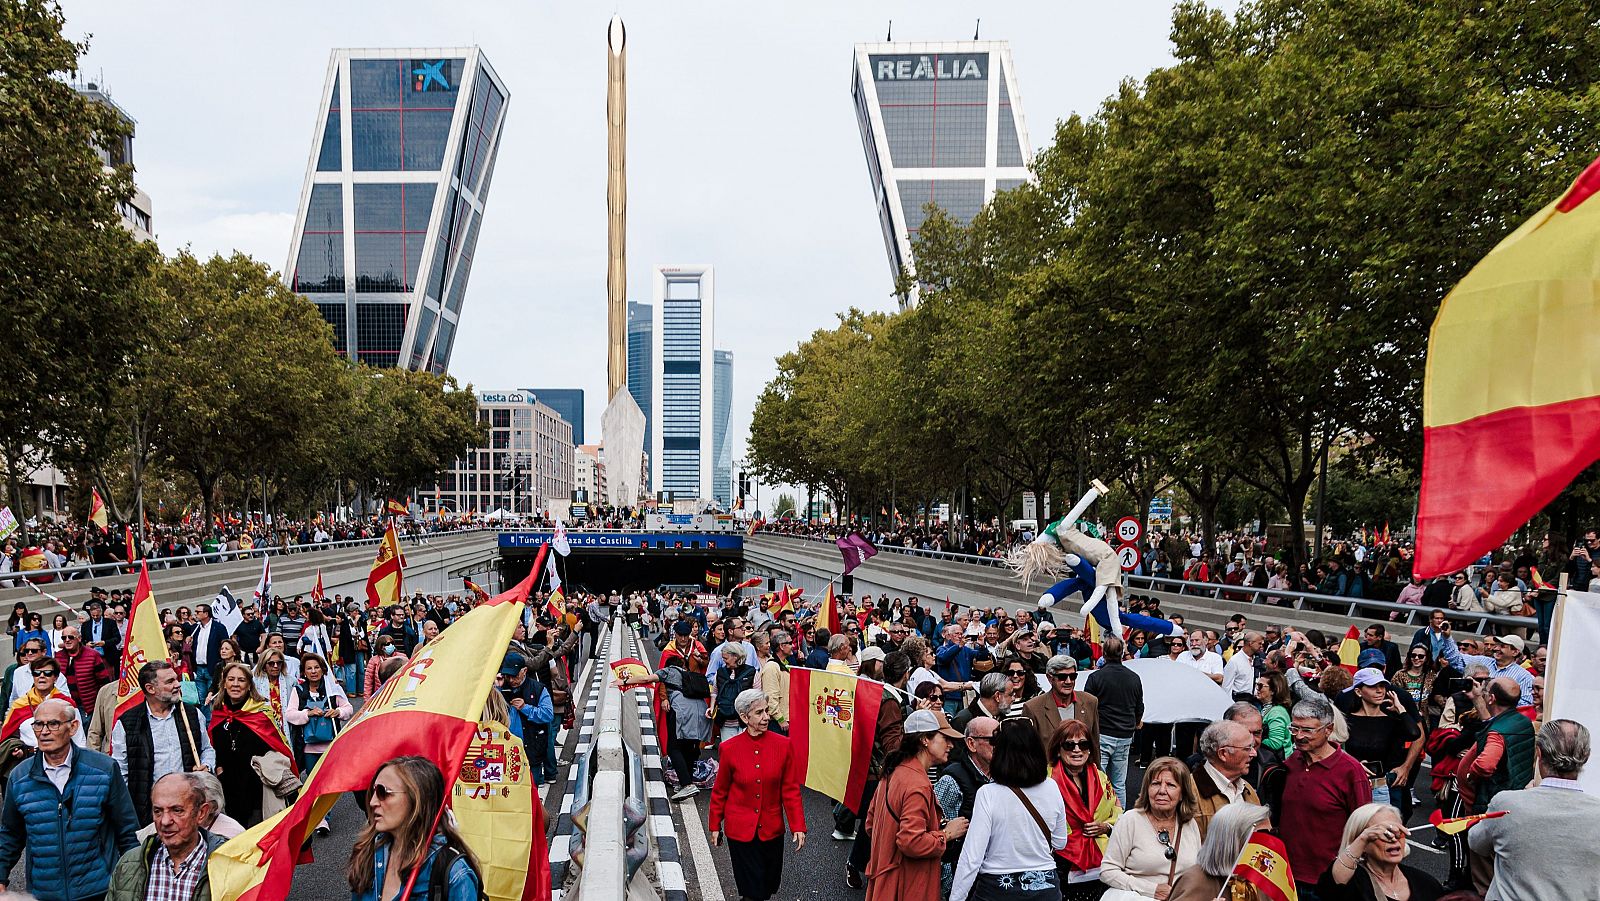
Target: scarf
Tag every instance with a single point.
(257, 716)
(1083, 852)
(22, 709)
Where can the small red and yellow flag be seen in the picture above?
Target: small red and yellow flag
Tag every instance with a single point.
(1350, 649)
(630, 667)
(1264, 863)
(97, 510)
(476, 589)
(831, 614)
(386, 581)
(131, 547)
(556, 606)
(1459, 824)
(395, 508)
(751, 582)
(317, 591)
(1539, 584)
(713, 579)
(143, 643)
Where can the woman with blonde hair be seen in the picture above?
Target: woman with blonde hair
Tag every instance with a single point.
(274, 684)
(1368, 866)
(1229, 832)
(241, 730)
(407, 840)
(1159, 838)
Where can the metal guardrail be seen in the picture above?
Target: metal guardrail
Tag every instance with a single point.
(1297, 600)
(952, 556)
(205, 558)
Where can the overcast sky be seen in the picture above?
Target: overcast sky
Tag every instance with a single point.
(743, 150)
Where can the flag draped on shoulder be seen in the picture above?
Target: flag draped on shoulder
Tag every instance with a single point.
(259, 718)
(386, 581)
(142, 644)
(1500, 442)
(833, 718)
(430, 708)
(22, 708)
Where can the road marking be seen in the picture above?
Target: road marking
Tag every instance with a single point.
(668, 850)
(705, 870)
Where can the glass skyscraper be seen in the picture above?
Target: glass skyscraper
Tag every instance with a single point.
(566, 401)
(681, 452)
(641, 351)
(941, 123)
(722, 412)
(393, 199)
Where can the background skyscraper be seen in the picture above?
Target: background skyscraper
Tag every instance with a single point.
(685, 308)
(566, 401)
(722, 445)
(641, 357)
(393, 199)
(940, 123)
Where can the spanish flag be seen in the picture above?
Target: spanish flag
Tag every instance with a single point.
(1091, 634)
(430, 708)
(386, 582)
(395, 508)
(831, 615)
(22, 708)
(143, 642)
(782, 600)
(476, 589)
(555, 606)
(1459, 824)
(1264, 863)
(1500, 441)
(751, 582)
(713, 579)
(494, 802)
(630, 667)
(131, 546)
(317, 591)
(97, 510)
(833, 718)
(1350, 649)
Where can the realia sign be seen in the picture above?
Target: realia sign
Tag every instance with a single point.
(930, 67)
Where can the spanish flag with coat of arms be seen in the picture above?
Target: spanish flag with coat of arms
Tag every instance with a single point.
(386, 582)
(1264, 864)
(430, 708)
(142, 644)
(833, 719)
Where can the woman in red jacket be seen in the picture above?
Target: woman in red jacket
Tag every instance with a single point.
(757, 787)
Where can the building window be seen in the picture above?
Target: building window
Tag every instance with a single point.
(320, 267)
(391, 225)
(935, 121)
(400, 112)
(331, 158)
(380, 327)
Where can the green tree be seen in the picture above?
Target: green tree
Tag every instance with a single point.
(784, 505)
(67, 266)
(405, 428)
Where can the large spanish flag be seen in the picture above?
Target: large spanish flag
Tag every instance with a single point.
(498, 812)
(430, 708)
(386, 582)
(1507, 425)
(143, 644)
(833, 719)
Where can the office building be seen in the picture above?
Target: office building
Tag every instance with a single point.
(527, 463)
(941, 123)
(641, 350)
(136, 209)
(393, 199)
(681, 452)
(589, 474)
(721, 443)
(566, 401)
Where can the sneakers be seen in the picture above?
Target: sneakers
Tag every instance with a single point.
(843, 836)
(852, 878)
(685, 793)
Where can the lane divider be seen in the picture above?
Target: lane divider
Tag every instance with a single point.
(560, 840)
(658, 810)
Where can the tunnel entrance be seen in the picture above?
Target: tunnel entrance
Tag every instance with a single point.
(625, 571)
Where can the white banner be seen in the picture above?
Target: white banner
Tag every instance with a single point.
(1571, 690)
(8, 523)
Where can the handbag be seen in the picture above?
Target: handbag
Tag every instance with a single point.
(191, 691)
(318, 729)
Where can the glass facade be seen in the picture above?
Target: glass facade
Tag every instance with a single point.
(641, 349)
(527, 463)
(568, 404)
(682, 449)
(721, 417)
(423, 132)
(939, 124)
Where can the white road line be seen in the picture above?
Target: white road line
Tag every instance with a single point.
(671, 875)
(700, 848)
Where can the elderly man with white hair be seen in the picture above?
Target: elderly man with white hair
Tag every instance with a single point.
(757, 790)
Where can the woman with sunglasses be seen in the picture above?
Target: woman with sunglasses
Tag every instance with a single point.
(1272, 690)
(1416, 676)
(1024, 686)
(1159, 838)
(1092, 810)
(406, 840)
(241, 729)
(273, 683)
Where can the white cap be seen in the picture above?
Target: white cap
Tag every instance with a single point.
(923, 721)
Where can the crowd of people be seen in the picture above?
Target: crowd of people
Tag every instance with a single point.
(1012, 759)
(129, 806)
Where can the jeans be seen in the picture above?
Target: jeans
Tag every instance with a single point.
(202, 681)
(952, 707)
(1114, 760)
(1380, 795)
(549, 764)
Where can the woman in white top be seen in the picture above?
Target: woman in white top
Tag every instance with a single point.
(922, 658)
(1158, 839)
(56, 626)
(1018, 823)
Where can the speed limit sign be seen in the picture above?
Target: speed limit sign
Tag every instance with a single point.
(1128, 556)
(1129, 531)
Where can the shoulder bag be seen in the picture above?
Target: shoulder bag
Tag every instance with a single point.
(1038, 820)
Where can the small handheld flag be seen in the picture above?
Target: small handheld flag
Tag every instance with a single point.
(317, 591)
(1350, 649)
(132, 548)
(477, 591)
(395, 508)
(386, 581)
(263, 592)
(713, 579)
(751, 582)
(97, 510)
(630, 668)
(1456, 825)
(1264, 863)
(856, 550)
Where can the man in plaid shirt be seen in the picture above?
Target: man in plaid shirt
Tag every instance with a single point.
(170, 865)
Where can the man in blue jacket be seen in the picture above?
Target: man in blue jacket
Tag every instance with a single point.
(953, 660)
(69, 809)
(530, 702)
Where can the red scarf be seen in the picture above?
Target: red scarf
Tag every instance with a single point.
(1082, 851)
(257, 717)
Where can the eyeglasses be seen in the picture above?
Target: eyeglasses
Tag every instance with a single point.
(1064, 677)
(67, 638)
(1075, 744)
(46, 674)
(30, 651)
(1016, 673)
(51, 725)
(383, 792)
(1165, 838)
(1305, 730)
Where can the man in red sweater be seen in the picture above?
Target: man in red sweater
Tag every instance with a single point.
(83, 667)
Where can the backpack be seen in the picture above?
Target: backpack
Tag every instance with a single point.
(695, 687)
(439, 879)
(729, 689)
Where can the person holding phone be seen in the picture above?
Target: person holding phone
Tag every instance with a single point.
(1380, 728)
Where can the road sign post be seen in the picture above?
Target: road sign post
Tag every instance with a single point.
(1129, 530)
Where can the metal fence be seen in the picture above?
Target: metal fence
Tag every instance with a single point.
(1299, 600)
(952, 556)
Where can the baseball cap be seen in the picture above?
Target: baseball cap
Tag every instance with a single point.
(1369, 676)
(924, 721)
(872, 652)
(1513, 640)
(1372, 657)
(974, 629)
(512, 664)
(682, 627)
